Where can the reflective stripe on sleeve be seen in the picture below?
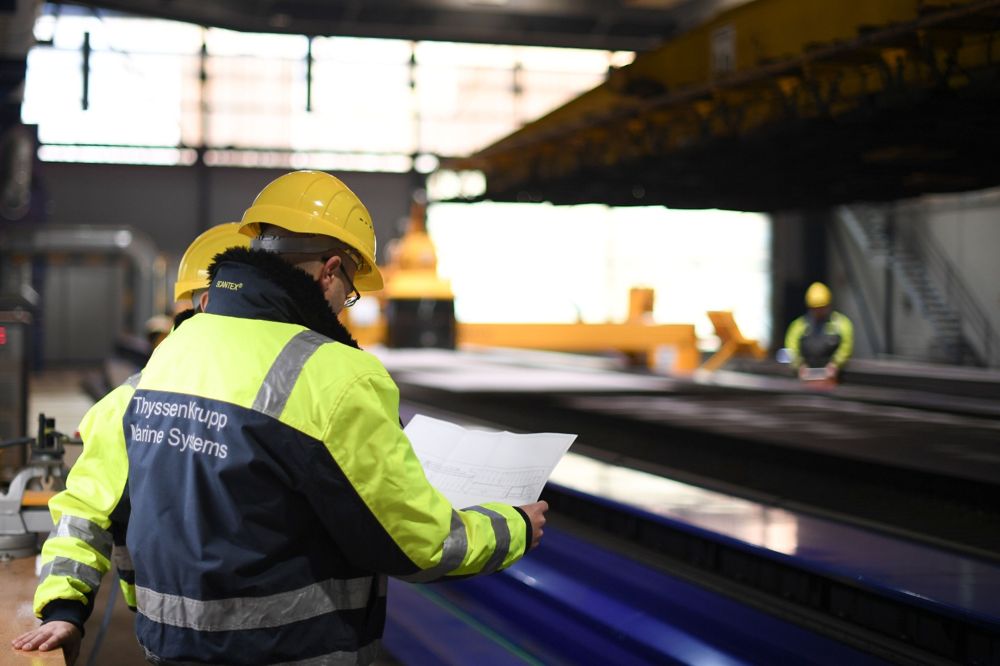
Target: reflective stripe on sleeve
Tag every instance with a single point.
(254, 612)
(63, 566)
(453, 552)
(284, 372)
(86, 531)
(501, 533)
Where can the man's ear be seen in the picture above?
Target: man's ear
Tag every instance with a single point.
(329, 269)
(203, 300)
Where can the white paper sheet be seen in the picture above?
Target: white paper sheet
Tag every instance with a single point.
(472, 466)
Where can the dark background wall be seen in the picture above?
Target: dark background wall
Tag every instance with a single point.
(173, 204)
(798, 258)
(87, 300)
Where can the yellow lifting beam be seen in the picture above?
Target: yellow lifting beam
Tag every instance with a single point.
(630, 337)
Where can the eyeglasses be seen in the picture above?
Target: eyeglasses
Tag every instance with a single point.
(353, 295)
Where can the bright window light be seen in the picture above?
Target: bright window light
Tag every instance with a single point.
(139, 35)
(469, 55)
(363, 51)
(231, 43)
(543, 263)
(377, 97)
(545, 59)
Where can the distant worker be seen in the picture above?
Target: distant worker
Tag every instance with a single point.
(822, 338)
(270, 488)
(191, 287)
(157, 328)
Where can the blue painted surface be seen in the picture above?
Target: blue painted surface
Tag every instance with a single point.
(934, 578)
(420, 629)
(591, 606)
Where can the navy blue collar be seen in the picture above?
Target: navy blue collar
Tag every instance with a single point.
(253, 284)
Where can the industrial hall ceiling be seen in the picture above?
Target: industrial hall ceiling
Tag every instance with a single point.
(749, 105)
(630, 25)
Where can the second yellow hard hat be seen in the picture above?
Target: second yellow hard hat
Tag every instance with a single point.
(192, 274)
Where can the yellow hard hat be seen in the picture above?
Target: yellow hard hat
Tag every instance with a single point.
(192, 274)
(817, 295)
(314, 202)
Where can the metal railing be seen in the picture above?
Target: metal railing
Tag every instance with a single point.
(945, 287)
(977, 329)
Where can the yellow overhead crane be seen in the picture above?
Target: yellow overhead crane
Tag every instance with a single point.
(774, 104)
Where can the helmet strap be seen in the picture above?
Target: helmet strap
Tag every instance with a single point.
(320, 245)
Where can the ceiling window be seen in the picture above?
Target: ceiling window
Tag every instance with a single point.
(106, 82)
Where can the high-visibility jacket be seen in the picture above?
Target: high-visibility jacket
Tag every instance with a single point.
(269, 486)
(817, 343)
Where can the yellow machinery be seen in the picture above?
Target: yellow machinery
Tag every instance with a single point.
(416, 306)
(23, 506)
(637, 339)
(411, 280)
(731, 341)
(770, 105)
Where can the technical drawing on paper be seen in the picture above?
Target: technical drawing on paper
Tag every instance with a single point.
(470, 466)
(512, 486)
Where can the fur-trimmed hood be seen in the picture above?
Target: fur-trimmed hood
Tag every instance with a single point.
(255, 284)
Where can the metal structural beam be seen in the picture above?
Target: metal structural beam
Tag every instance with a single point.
(629, 25)
(777, 104)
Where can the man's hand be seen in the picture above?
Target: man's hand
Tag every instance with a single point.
(832, 371)
(536, 514)
(50, 636)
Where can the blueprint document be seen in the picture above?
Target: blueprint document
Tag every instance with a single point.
(472, 466)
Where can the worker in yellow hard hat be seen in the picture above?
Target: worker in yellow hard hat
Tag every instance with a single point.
(191, 287)
(264, 464)
(190, 296)
(820, 339)
(192, 272)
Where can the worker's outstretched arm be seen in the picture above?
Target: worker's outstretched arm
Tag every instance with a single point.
(793, 338)
(52, 636)
(374, 499)
(846, 346)
(78, 552)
